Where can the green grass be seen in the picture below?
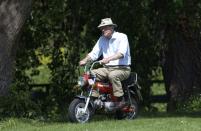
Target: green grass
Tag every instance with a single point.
(152, 122)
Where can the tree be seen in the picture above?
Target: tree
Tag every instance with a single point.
(182, 67)
(179, 36)
(13, 14)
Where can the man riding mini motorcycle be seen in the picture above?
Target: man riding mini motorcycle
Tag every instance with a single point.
(102, 87)
(114, 47)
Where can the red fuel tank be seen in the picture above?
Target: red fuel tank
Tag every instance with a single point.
(104, 87)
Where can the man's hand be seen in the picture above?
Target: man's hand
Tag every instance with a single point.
(85, 60)
(82, 62)
(105, 61)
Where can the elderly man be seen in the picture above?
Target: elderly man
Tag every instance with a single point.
(114, 47)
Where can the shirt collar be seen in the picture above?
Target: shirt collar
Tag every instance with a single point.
(114, 35)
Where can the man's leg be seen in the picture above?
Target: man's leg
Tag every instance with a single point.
(101, 74)
(115, 77)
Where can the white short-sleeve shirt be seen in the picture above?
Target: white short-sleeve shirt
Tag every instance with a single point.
(108, 47)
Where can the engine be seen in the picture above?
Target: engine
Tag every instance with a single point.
(104, 102)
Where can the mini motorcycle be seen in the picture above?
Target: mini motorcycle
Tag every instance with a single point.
(83, 107)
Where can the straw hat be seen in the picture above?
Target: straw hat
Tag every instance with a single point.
(105, 22)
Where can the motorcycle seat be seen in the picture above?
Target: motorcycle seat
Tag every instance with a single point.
(130, 81)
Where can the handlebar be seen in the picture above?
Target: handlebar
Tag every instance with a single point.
(89, 66)
(94, 64)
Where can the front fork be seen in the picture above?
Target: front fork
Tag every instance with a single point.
(87, 101)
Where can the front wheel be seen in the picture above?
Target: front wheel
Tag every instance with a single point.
(76, 111)
(128, 112)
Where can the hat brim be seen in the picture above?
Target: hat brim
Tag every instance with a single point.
(115, 25)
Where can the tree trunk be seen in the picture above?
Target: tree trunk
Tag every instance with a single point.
(13, 14)
(182, 68)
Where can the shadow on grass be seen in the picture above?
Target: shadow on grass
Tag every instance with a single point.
(167, 114)
(99, 117)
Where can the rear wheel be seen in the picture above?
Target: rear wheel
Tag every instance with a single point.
(76, 111)
(128, 112)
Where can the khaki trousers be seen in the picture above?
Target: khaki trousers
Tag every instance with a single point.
(115, 75)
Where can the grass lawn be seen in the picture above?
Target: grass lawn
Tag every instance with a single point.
(150, 122)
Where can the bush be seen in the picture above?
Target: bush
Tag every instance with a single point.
(193, 104)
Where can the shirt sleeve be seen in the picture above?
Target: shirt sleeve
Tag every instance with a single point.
(124, 45)
(96, 51)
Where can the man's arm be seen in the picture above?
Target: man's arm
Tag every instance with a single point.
(116, 56)
(85, 60)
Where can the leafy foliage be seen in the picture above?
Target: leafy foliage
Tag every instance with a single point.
(191, 105)
(65, 30)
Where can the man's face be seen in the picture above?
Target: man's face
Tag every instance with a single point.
(107, 31)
